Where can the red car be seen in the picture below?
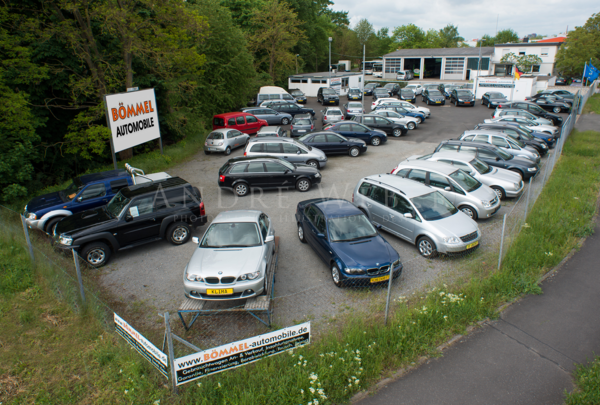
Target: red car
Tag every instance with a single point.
(243, 122)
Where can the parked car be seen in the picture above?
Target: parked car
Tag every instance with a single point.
(269, 103)
(560, 94)
(352, 129)
(381, 92)
(354, 93)
(504, 182)
(369, 87)
(446, 89)
(271, 131)
(431, 86)
(532, 125)
(504, 142)
(326, 95)
(280, 95)
(492, 99)
(292, 109)
(550, 140)
(331, 115)
(417, 88)
(426, 112)
(224, 140)
(393, 88)
(521, 113)
(409, 122)
(493, 156)
(532, 108)
(269, 115)
(384, 124)
(417, 213)
(407, 95)
(232, 258)
(404, 75)
(288, 149)
(336, 230)
(243, 122)
(433, 96)
(516, 133)
(243, 174)
(299, 96)
(352, 108)
(472, 197)
(301, 125)
(420, 117)
(334, 144)
(462, 97)
(550, 103)
(566, 97)
(560, 81)
(136, 215)
(379, 101)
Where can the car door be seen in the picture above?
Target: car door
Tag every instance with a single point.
(233, 138)
(377, 204)
(90, 197)
(396, 222)
(138, 222)
(277, 175)
(491, 158)
(293, 153)
(384, 124)
(264, 223)
(442, 184)
(320, 142)
(501, 143)
(314, 226)
(336, 144)
(256, 175)
(273, 149)
(369, 122)
(252, 124)
(240, 124)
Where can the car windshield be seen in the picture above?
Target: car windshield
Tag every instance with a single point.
(497, 95)
(536, 109)
(354, 91)
(329, 91)
(504, 155)
(434, 206)
(464, 93)
(354, 105)
(381, 91)
(480, 166)
(346, 229)
(70, 192)
(118, 203)
(434, 93)
(231, 234)
(406, 92)
(370, 86)
(465, 181)
(215, 135)
(301, 122)
(297, 93)
(521, 144)
(525, 129)
(333, 112)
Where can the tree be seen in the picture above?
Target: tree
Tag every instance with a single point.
(486, 40)
(408, 37)
(581, 46)
(449, 37)
(506, 36)
(523, 62)
(364, 31)
(384, 41)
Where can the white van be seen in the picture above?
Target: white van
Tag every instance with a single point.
(267, 93)
(404, 75)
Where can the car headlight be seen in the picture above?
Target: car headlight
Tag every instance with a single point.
(318, 175)
(396, 263)
(532, 169)
(486, 204)
(354, 271)
(65, 240)
(452, 240)
(323, 158)
(31, 215)
(249, 276)
(194, 277)
(543, 146)
(461, 99)
(516, 186)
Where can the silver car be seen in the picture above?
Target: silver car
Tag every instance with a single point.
(232, 258)
(532, 125)
(301, 125)
(271, 116)
(467, 193)
(408, 122)
(521, 113)
(417, 88)
(224, 140)
(401, 103)
(331, 115)
(503, 141)
(417, 213)
(504, 182)
(271, 131)
(287, 149)
(352, 108)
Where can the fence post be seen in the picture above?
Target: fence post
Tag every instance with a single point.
(501, 242)
(527, 204)
(389, 295)
(78, 269)
(27, 238)
(171, 354)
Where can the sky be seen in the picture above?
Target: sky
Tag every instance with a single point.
(473, 18)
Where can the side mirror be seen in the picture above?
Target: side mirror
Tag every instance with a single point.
(287, 171)
(128, 218)
(320, 235)
(447, 188)
(196, 240)
(297, 152)
(269, 238)
(79, 199)
(408, 215)
(497, 159)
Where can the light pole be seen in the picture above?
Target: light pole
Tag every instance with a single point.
(330, 39)
(297, 63)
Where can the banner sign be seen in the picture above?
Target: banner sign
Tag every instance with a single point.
(143, 346)
(496, 83)
(232, 355)
(132, 118)
(335, 81)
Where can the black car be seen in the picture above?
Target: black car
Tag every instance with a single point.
(560, 81)
(381, 93)
(354, 94)
(326, 95)
(393, 88)
(407, 95)
(291, 108)
(243, 174)
(462, 97)
(551, 102)
(382, 123)
(334, 144)
(369, 87)
(433, 96)
(350, 129)
(540, 146)
(493, 99)
(567, 95)
(136, 215)
(534, 109)
(493, 156)
(299, 96)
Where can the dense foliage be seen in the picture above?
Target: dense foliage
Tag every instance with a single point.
(582, 45)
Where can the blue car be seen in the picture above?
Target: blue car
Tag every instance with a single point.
(344, 238)
(351, 129)
(86, 192)
(402, 110)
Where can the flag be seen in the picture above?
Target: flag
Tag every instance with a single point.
(517, 73)
(591, 72)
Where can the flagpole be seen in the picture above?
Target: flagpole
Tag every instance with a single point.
(583, 75)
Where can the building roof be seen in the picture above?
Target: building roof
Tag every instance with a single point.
(325, 75)
(439, 52)
(522, 44)
(552, 40)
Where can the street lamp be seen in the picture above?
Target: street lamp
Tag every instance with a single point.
(297, 63)
(330, 39)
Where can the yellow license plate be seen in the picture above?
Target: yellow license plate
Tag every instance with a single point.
(472, 245)
(438, 102)
(222, 291)
(379, 279)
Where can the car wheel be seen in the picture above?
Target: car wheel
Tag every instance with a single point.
(285, 121)
(336, 275)
(499, 192)
(179, 233)
(556, 110)
(228, 151)
(96, 254)
(427, 102)
(397, 132)
(51, 225)
(419, 120)
(471, 213)
(426, 247)
(301, 233)
(520, 173)
(411, 125)
(206, 152)
(303, 185)
(376, 141)
(354, 152)
(489, 105)
(482, 103)
(313, 163)
(241, 189)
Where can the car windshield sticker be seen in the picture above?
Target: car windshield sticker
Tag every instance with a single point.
(134, 212)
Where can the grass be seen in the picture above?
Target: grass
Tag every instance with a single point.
(592, 105)
(587, 381)
(57, 354)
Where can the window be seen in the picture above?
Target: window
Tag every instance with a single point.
(486, 154)
(345, 82)
(116, 185)
(319, 138)
(319, 80)
(238, 169)
(288, 97)
(481, 138)
(454, 65)
(274, 97)
(334, 139)
(500, 142)
(231, 122)
(468, 138)
(483, 65)
(240, 120)
(141, 206)
(403, 172)
(250, 119)
(257, 148)
(273, 167)
(545, 51)
(219, 121)
(437, 180)
(417, 175)
(451, 148)
(522, 51)
(256, 168)
(399, 204)
(345, 127)
(290, 148)
(272, 148)
(472, 149)
(365, 189)
(462, 166)
(392, 65)
(295, 81)
(368, 120)
(535, 68)
(264, 225)
(262, 97)
(93, 191)
(381, 121)
(378, 194)
(359, 128)
(310, 213)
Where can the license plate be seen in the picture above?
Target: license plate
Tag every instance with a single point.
(332, 101)
(379, 279)
(438, 102)
(354, 98)
(472, 245)
(212, 148)
(222, 291)
(302, 130)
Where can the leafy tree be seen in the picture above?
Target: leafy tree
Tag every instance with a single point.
(581, 45)
(408, 37)
(486, 40)
(506, 36)
(449, 37)
(364, 31)
(523, 62)
(384, 41)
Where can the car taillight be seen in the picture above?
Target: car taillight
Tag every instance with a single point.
(221, 178)
(202, 211)
(291, 127)
(312, 127)
(325, 117)
(245, 153)
(342, 117)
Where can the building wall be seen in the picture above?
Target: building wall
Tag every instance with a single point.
(546, 52)
(310, 85)
(515, 90)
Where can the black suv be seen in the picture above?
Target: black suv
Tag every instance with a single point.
(393, 88)
(326, 95)
(291, 108)
(462, 97)
(493, 156)
(136, 215)
(384, 124)
(534, 109)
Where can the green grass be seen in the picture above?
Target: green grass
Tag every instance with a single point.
(587, 382)
(592, 105)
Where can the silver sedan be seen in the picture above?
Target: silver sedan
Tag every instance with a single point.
(225, 140)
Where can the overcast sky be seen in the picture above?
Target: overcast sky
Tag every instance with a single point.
(473, 17)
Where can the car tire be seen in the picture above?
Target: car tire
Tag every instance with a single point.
(376, 141)
(96, 254)
(285, 121)
(520, 173)
(354, 151)
(336, 275)
(426, 247)
(397, 132)
(489, 105)
(241, 189)
(469, 211)
(51, 225)
(178, 233)
(303, 185)
(411, 125)
(228, 151)
(427, 102)
(482, 103)
(499, 192)
(313, 163)
(301, 233)
(206, 152)
(419, 120)
(556, 110)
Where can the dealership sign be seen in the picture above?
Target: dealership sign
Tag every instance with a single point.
(132, 118)
(496, 83)
(232, 355)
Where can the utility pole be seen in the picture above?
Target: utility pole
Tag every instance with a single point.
(330, 39)
(297, 63)
(362, 98)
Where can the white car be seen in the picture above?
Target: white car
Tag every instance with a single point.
(417, 88)
(395, 102)
(408, 122)
(517, 112)
(532, 125)
(378, 74)
(375, 103)
(268, 103)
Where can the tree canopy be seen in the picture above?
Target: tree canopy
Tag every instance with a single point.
(581, 46)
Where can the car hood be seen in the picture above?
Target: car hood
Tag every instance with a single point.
(498, 100)
(228, 262)
(365, 253)
(542, 127)
(44, 201)
(356, 140)
(457, 225)
(306, 169)
(466, 97)
(84, 220)
(504, 175)
(484, 193)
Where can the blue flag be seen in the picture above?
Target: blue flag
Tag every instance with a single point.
(590, 72)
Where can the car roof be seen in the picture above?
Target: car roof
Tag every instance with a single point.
(482, 132)
(335, 208)
(484, 145)
(272, 139)
(270, 128)
(464, 156)
(237, 216)
(223, 130)
(242, 159)
(409, 188)
(333, 108)
(443, 168)
(305, 115)
(147, 187)
(89, 178)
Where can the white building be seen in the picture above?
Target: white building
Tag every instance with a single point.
(309, 83)
(545, 50)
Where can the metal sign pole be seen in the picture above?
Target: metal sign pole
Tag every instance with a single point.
(171, 354)
(389, 295)
(79, 279)
(527, 204)
(112, 145)
(501, 242)
(27, 238)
